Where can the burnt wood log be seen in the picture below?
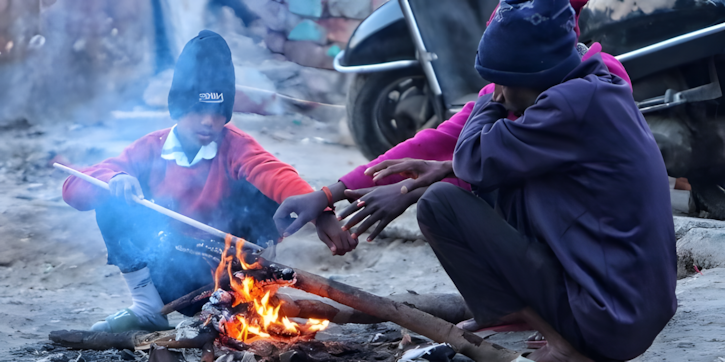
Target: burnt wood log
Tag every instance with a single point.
(406, 316)
(139, 340)
(96, 340)
(449, 307)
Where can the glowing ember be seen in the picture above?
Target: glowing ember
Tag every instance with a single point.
(249, 311)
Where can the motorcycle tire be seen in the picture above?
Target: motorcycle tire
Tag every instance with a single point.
(364, 98)
(709, 198)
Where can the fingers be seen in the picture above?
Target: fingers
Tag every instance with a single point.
(114, 189)
(129, 193)
(281, 218)
(356, 194)
(294, 227)
(393, 170)
(367, 224)
(360, 216)
(356, 205)
(350, 240)
(341, 241)
(137, 189)
(381, 225)
(382, 165)
(326, 239)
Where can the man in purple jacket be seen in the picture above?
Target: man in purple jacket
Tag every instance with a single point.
(581, 243)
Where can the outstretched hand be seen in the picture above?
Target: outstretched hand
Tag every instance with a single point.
(338, 240)
(126, 187)
(308, 207)
(381, 203)
(423, 172)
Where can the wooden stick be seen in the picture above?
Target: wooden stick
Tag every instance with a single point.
(449, 307)
(160, 209)
(139, 340)
(403, 315)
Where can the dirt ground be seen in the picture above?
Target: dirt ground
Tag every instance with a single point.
(52, 266)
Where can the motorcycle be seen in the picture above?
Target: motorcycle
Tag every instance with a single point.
(413, 66)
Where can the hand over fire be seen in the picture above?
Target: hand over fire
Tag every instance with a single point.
(125, 186)
(329, 231)
(381, 203)
(307, 207)
(423, 172)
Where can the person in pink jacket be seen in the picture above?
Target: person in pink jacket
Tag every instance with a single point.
(405, 165)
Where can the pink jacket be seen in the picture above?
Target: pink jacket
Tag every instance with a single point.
(438, 144)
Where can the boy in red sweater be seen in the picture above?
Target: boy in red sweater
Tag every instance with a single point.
(203, 168)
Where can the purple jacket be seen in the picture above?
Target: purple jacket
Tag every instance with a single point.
(580, 171)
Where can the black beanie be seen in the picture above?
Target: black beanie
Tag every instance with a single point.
(529, 43)
(203, 78)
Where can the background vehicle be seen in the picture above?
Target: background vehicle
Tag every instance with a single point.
(413, 61)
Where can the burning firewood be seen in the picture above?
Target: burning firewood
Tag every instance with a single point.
(245, 313)
(259, 317)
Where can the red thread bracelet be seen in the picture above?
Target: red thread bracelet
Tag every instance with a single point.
(328, 193)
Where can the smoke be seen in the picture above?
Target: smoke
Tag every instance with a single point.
(82, 79)
(71, 61)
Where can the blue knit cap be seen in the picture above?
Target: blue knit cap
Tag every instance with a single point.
(203, 78)
(529, 44)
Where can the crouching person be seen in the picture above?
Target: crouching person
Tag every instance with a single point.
(203, 168)
(581, 242)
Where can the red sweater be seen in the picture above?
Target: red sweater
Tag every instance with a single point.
(196, 191)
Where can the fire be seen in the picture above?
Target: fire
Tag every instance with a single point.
(257, 316)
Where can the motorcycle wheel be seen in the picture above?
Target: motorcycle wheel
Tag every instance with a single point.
(384, 109)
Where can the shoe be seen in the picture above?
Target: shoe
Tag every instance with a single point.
(439, 352)
(536, 341)
(126, 320)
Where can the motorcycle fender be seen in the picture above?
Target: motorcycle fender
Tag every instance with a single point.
(382, 37)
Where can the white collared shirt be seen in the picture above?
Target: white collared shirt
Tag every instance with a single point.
(172, 150)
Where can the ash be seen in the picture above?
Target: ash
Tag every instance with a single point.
(351, 342)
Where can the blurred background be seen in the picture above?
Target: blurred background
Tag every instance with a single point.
(78, 61)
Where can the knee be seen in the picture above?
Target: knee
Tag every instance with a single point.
(435, 201)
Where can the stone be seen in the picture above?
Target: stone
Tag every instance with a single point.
(353, 9)
(127, 355)
(308, 30)
(306, 8)
(333, 50)
(324, 86)
(255, 93)
(700, 242)
(339, 30)
(279, 71)
(272, 13)
(275, 41)
(308, 54)
(291, 22)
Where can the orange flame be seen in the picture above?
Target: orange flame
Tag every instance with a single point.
(262, 318)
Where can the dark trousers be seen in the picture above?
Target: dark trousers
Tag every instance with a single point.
(497, 269)
(137, 237)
